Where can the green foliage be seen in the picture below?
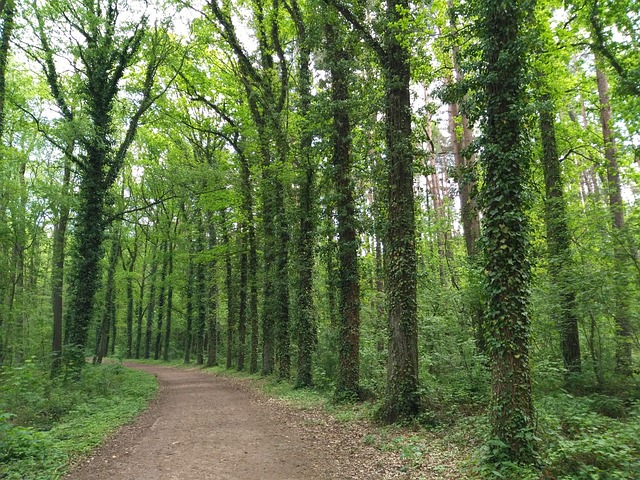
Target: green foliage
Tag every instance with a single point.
(28, 453)
(44, 423)
(589, 437)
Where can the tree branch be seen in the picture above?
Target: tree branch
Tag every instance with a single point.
(360, 27)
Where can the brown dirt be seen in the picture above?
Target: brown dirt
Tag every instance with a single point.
(203, 426)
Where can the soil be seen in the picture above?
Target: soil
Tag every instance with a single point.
(204, 426)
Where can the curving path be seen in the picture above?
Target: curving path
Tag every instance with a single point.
(204, 426)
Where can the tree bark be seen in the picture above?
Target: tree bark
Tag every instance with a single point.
(402, 398)
(151, 307)
(141, 309)
(57, 273)
(558, 238)
(306, 328)
(506, 160)
(188, 336)
(201, 294)
(109, 314)
(167, 333)
(161, 299)
(212, 317)
(348, 374)
(7, 15)
(624, 340)
(230, 291)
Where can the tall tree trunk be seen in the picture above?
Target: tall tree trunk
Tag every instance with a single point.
(558, 238)
(130, 310)
(506, 160)
(151, 308)
(188, 335)
(348, 375)
(57, 272)
(108, 316)
(306, 328)
(242, 305)
(282, 327)
(402, 398)
(201, 294)
(253, 292)
(230, 291)
(8, 15)
(620, 241)
(167, 332)
(212, 318)
(250, 266)
(270, 307)
(141, 299)
(163, 280)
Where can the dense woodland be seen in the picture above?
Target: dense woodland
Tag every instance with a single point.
(432, 206)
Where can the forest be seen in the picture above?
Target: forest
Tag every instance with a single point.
(428, 206)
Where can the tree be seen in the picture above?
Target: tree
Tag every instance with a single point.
(339, 65)
(621, 245)
(306, 326)
(266, 89)
(105, 51)
(402, 400)
(558, 237)
(7, 13)
(506, 159)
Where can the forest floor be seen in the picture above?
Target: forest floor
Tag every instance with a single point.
(204, 426)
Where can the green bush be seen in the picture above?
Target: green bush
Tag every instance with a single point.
(581, 440)
(59, 420)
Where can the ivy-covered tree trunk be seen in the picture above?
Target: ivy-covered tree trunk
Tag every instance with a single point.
(283, 318)
(558, 238)
(7, 14)
(266, 87)
(231, 313)
(188, 334)
(348, 374)
(305, 324)
(621, 314)
(201, 293)
(85, 266)
(133, 255)
(105, 51)
(167, 332)
(252, 273)
(141, 300)
(105, 336)
(402, 398)
(506, 160)
(151, 306)
(212, 310)
(242, 305)
(57, 274)
(157, 350)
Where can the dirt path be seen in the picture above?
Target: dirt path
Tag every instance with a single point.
(204, 426)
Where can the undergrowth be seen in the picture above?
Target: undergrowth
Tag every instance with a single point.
(46, 423)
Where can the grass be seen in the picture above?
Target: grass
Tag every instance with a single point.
(46, 424)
